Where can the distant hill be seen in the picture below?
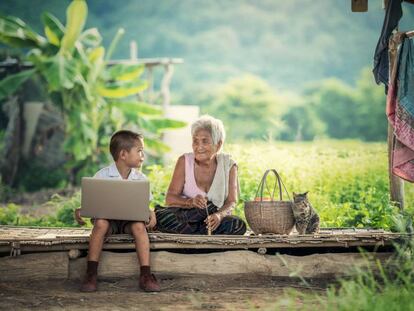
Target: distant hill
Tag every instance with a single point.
(288, 43)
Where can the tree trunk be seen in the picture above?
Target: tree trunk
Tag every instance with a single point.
(13, 141)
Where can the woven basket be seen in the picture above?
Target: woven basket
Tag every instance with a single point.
(272, 216)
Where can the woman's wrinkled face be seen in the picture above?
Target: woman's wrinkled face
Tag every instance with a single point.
(203, 146)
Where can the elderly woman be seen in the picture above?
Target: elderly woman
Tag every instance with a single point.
(204, 187)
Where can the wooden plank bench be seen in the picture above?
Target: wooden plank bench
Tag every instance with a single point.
(16, 240)
(45, 253)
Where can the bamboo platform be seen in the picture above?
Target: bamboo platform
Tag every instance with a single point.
(17, 240)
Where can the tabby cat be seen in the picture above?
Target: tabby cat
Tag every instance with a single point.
(306, 218)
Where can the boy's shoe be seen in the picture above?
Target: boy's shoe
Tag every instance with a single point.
(90, 283)
(149, 283)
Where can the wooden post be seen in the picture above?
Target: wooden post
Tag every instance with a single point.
(165, 85)
(150, 89)
(74, 253)
(359, 5)
(133, 50)
(396, 183)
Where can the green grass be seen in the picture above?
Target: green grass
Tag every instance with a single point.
(348, 184)
(379, 286)
(11, 214)
(347, 181)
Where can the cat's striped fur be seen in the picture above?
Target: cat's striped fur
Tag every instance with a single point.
(306, 217)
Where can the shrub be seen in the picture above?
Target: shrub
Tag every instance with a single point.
(383, 286)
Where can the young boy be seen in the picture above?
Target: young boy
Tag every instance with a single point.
(127, 150)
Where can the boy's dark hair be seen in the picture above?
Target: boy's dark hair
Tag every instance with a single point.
(123, 140)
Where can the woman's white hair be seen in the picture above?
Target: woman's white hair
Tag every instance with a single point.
(212, 125)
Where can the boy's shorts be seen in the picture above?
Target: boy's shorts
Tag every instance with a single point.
(118, 226)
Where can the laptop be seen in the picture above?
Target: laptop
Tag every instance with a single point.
(115, 199)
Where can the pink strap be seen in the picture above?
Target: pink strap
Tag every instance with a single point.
(190, 186)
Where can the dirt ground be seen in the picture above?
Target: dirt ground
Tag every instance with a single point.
(178, 293)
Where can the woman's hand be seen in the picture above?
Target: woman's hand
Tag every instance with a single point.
(198, 201)
(213, 221)
(152, 221)
(78, 217)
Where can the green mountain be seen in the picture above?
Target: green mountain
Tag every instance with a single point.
(287, 43)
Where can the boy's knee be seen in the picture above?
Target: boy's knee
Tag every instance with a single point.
(138, 227)
(101, 225)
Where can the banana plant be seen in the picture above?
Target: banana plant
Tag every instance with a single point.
(96, 99)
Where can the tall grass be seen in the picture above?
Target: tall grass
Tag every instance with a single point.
(382, 287)
(347, 180)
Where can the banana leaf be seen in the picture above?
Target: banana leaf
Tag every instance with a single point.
(83, 138)
(96, 53)
(89, 133)
(75, 21)
(96, 63)
(137, 108)
(85, 86)
(15, 32)
(114, 43)
(73, 63)
(158, 125)
(75, 146)
(163, 124)
(11, 83)
(60, 72)
(54, 30)
(155, 146)
(114, 90)
(37, 58)
(91, 37)
(16, 42)
(124, 72)
(80, 53)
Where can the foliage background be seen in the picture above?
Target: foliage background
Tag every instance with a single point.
(288, 43)
(297, 70)
(272, 70)
(311, 71)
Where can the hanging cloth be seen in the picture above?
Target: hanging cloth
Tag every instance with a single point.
(381, 63)
(400, 105)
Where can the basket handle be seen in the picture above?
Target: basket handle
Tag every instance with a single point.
(263, 184)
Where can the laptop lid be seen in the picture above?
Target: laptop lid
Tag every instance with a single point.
(115, 199)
